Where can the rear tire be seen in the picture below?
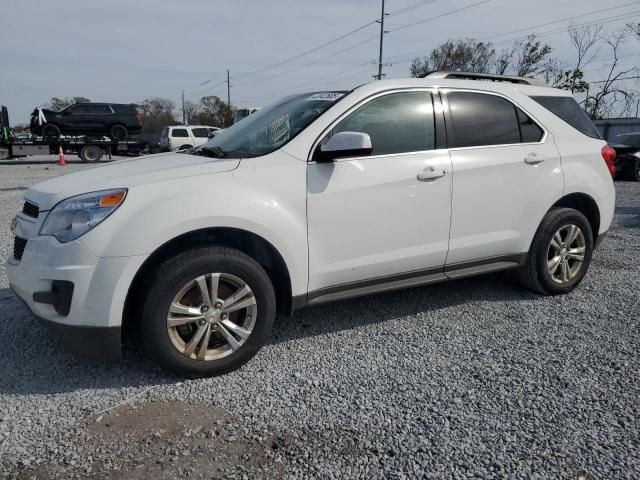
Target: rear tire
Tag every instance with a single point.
(180, 305)
(50, 131)
(90, 153)
(185, 147)
(118, 132)
(560, 253)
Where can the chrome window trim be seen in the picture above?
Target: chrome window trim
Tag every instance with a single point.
(445, 102)
(364, 101)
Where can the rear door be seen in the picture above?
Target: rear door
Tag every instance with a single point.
(506, 175)
(100, 117)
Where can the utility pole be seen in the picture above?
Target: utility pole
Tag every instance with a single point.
(228, 89)
(184, 116)
(379, 76)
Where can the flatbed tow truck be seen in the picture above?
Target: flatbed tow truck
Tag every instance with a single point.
(89, 149)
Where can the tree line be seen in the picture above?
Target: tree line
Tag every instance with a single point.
(615, 94)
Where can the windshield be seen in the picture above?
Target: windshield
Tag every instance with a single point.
(271, 127)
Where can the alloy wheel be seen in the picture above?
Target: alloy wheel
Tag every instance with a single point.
(212, 316)
(566, 254)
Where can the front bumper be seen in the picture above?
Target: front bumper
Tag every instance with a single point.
(80, 295)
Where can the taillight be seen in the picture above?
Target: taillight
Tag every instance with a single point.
(609, 157)
(138, 118)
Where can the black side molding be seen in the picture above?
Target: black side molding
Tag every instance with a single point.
(409, 279)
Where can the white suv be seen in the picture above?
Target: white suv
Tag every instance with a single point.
(319, 197)
(184, 137)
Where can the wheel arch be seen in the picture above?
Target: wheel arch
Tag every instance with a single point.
(586, 205)
(253, 245)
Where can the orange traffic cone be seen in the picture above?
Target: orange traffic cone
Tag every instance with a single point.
(61, 161)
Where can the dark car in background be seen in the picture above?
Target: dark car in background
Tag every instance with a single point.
(115, 120)
(627, 147)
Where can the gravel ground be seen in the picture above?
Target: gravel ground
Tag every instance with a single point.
(473, 379)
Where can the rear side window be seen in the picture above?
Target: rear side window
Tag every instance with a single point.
(165, 133)
(124, 109)
(530, 132)
(568, 110)
(200, 132)
(179, 132)
(102, 109)
(480, 120)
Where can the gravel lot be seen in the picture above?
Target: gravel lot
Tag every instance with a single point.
(473, 379)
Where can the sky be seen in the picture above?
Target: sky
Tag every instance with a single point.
(126, 51)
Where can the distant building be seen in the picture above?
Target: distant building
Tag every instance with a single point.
(610, 127)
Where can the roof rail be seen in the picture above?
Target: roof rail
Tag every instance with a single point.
(481, 76)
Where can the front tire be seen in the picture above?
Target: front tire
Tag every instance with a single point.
(560, 253)
(50, 131)
(208, 311)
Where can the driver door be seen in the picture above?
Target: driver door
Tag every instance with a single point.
(381, 218)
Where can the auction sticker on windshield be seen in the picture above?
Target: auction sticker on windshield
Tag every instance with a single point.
(326, 96)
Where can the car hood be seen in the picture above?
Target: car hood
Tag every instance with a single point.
(127, 173)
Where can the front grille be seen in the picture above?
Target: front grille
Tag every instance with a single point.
(30, 209)
(19, 244)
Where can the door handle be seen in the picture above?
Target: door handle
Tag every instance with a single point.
(534, 159)
(430, 173)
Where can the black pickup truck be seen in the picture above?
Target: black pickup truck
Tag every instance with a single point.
(114, 120)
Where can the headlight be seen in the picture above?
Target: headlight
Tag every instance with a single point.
(75, 216)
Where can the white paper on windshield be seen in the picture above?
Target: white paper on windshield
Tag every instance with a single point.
(325, 96)
(279, 130)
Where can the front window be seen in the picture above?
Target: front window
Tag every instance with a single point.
(396, 123)
(271, 127)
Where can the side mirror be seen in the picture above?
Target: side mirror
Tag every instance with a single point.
(345, 144)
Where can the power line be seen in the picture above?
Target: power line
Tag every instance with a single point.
(208, 89)
(408, 8)
(561, 20)
(307, 52)
(330, 42)
(301, 88)
(308, 64)
(402, 27)
(635, 77)
(615, 18)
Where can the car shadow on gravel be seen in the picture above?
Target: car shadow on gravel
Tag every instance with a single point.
(354, 313)
(34, 362)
